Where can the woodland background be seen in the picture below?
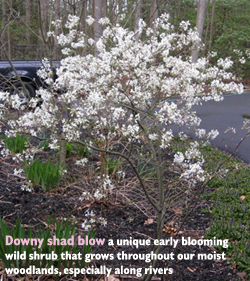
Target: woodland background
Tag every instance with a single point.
(224, 25)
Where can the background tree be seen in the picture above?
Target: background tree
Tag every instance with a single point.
(153, 12)
(97, 16)
(3, 29)
(138, 16)
(57, 6)
(28, 20)
(201, 13)
(224, 27)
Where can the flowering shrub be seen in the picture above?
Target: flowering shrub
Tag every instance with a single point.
(121, 100)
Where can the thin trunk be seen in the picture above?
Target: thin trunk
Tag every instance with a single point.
(179, 10)
(43, 7)
(91, 12)
(111, 15)
(137, 17)
(90, 7)
(207, 29)
(97, 17)
(201, 12)
(3, 29)
(120, 6)
(57, 5)
(62, 153)
(73, 4)
(28, 20)
(153, 12)
(212, 26)
(83, 15)
(104, 8)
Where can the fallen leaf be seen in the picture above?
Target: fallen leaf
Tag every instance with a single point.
(177, 211)
(149, 221)
(170, 230)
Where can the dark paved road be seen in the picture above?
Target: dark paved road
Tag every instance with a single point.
(225, 114)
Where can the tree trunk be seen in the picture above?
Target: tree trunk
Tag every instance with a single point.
(83, 15)
(207, 30)
(212, 26)
(62, 153)
(201, 12)
(3, 29)
(28, 20)
(153, 12)
(43, 5)
(97, 17)
(104, 8)
(137, 17)
(57, 17)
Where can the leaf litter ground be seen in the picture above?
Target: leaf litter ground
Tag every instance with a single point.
(123, 221)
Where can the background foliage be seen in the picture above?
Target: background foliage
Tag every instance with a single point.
(24, 24)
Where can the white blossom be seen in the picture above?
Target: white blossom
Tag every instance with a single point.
(213, 134)
(153, 136)
(26, 188)
(179, 157)
(201, 133)
(18, 172)
(184, 25)
(104, 21)
(82, 162)
(98, 195)
(166, 138)
(90, 20)
(242, 60)
(72, 21)
(225, 63)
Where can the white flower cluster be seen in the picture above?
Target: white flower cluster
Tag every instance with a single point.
(166, 139)
(45, 72)
(192, 162)
(82, 162)
(72, 21)
(179, 157)
(18, 172)
(92, 220)
(103, 190)
(201, 133)
(26, 188)
(194, 172)
(90, 20)
(104, 21)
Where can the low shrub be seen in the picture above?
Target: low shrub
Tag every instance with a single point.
(16, 144)
(46, 174)
(61, 229)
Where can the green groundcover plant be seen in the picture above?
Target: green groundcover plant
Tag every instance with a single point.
(231, 211)
(47, 174)
(16, 144)
(61, 229)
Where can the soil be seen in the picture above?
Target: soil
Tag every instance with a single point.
(123, 221)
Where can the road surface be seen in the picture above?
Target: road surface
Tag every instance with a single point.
(225, 114)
